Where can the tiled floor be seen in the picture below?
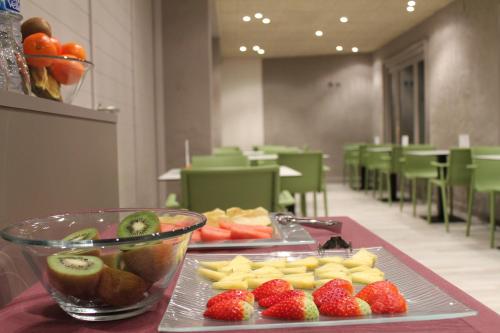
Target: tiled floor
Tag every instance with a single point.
(469, 263)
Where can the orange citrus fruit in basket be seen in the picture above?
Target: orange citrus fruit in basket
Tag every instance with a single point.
(67, 71)
(58, 44)
(74, 49)
(39, 44)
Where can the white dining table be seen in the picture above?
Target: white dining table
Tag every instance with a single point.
(175, 173)
(435, 152)
(488, 157)
(379, 149)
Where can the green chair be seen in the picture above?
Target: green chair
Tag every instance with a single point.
(211, 161)
(352, 165)
(383, 170)
(310, 165)
(373, 162)
(457, 174)
(246, 187)
(414, 168)
(228, 150)
(273, 149)
(485, 178)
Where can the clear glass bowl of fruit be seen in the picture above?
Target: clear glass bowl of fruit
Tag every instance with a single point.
(107, 264)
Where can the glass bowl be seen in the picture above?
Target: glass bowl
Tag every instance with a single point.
(106, 277)
(57, 78)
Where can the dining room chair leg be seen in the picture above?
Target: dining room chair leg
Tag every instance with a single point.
(315, 204)
(325, 201)
(470, 199)
(492, 219)
(445, 209)
(450, 196)
(401, 194)
(429, 201)
(389, 188)
(303, 206)
(366, 180)
(414, 195)
(375, 183)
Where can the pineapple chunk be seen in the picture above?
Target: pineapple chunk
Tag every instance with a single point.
(366, 278)
(293, 270)
(354, 262)
(215, 265)
(210, 274)
(240, 260)
(331, 267)
(278, 263)
(237, 277)
(266, 270)
(334, 259)
(307, 274)
(359, 269)
(332, 275)
(301, 282)
(233, 284)
(256, 282)
(233, 268)
(309, 262)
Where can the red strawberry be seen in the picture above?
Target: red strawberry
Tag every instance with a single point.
(373, 290)
(232, 294)
(335, 283)
(271, 288)
(271, 300)
(230, 309)
(345, 307)
(295, 308)
(328, 295)
(389, 303)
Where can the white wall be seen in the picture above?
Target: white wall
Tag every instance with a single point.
(242, 110)
(117, 35)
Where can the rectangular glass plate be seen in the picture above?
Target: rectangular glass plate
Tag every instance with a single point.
(293, 234)
(186, 307)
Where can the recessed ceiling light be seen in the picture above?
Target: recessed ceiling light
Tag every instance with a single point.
(246, 18)
(355, 49)
(261, 51)
(410, 9)
(318, 33)
(243, 48)
(411, 3)
(344, 19)
(339, 48)
(258, 16)
(266, 20)
(256, 48)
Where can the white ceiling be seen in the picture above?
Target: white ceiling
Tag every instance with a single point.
(372, 23)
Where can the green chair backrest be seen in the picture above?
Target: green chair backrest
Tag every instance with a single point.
(399, 152)
(351, 154)
(309, 164)
(214, 161)
(276, 149)
(485, 150)
(487, 172)
(375, 159)
(247, 187)
(458, 174)
(418, 163)
(227, 150)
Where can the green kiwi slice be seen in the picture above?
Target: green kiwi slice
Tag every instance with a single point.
(84, 234)
(113, 260)
(74, 275)
(138, 224)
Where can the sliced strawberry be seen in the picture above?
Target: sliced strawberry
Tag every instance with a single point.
(243, 295)
(271, 288)
(389, 303)
(231, 309)
(345, 307)
(294, 308)
(271, 300)
(329, 295)
(210, 234)
(333, 284)
(196, 237)
(246, 233)
(374, 290)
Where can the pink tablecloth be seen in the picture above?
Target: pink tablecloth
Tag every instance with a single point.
(34, 310)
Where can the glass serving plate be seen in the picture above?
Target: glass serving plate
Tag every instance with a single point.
(186, 307)
(292, 234)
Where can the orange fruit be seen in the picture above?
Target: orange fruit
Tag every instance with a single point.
(39, 44)
(67, 71)
(57, 43)
(74, 49)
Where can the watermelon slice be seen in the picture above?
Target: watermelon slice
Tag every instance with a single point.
(210, 234)
(196, 237)
(247, 233)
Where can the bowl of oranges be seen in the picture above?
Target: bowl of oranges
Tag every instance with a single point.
(57, 71)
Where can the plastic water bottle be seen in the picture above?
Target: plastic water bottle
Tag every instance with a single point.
(14, 74)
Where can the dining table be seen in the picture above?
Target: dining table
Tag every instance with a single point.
(35, 311)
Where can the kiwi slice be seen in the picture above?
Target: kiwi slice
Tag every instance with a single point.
(113, 260)
(120, 288)
(74, 275)
(138, 224)
(84, 234)
(34, 25)
(151, 262)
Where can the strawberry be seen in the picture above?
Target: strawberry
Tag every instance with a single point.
(335, 283)
(373, 290)
(271, 300)
(347, 306)
(329, 295)
(295, 308)
(389, 303)
(230, 309)
(232, 294)
(272, 287)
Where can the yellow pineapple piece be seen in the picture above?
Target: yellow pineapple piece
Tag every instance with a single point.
(237, 276)
(210, 274)
(256, 282)
(307, 274)
(333, 275)
(334, 259)
(301, 282)
(215, 265)
(233, 268)
(254, 220)
(241, 260)
(266, 270)
(309, 262)
(272, 262)
(331, 267)
(359, 269)
(234, 211)
(366, 278)
(293, 270)
(354, 262)
(231, 284)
